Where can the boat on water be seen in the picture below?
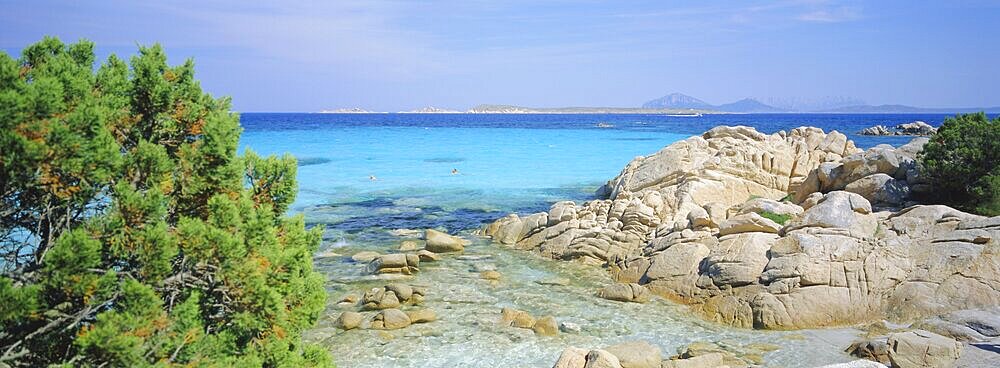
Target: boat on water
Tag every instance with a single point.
(694, 115)
(604, 125)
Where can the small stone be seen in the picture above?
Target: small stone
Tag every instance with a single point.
(569, 327)
(349, 298)
(421, 315)
(557, 281)
(490, 275)
(410, 245)
(349, 320)
(546, 326)
(516, 318)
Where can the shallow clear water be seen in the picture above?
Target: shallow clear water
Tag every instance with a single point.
(505, 163)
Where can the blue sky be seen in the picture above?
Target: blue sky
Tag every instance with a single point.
(400, 55)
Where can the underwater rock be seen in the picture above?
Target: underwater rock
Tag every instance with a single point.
(364, 257)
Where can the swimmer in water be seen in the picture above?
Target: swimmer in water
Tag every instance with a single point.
(372, 178)
(454, 171)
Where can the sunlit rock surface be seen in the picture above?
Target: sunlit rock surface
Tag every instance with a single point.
(698, 222)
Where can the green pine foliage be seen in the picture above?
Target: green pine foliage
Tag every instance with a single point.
(131, 232)
(781, 219)
(962, 161)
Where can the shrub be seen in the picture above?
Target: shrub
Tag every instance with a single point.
(779, 218)
(961, 162)
(131, 233)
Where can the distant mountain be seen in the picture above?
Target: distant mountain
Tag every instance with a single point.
(677, 101)
(888, 109)
(682, 101)
(825, 103)
(748, 105)
(511, 109)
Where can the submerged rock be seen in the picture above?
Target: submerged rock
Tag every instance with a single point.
(546, 326)
(516, 318)
(364, 257)
(421, 315)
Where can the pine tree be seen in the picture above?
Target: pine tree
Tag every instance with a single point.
(131, 232)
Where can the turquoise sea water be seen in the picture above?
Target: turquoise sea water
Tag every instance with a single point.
(505, 163)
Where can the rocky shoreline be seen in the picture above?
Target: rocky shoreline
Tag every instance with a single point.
(791, 230)
(916, 128)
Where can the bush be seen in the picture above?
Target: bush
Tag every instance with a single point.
(779, 218)
(131, 233)
(961, 162)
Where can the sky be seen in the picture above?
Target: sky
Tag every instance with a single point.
(401, 55)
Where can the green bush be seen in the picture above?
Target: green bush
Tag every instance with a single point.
(131, 232)
(779, 218)
(961, 162)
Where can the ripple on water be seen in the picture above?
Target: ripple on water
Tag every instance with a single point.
(466, 333)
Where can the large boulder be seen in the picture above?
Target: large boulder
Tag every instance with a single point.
(390, 319)
(922, 349)
(693, 223)
(572, 357)
(439, 242)
(602, 359)
(636, 354)
(630, 292)
(748, 222)
(349, 320)
(395, 263)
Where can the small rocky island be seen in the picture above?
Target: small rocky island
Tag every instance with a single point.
(916, 128)
(791, 230)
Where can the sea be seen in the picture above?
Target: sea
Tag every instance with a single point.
(372, 180)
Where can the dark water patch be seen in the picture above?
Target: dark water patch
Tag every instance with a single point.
(306, 161)
(444, 159)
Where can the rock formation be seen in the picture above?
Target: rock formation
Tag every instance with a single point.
(911, 128)
(789, 230)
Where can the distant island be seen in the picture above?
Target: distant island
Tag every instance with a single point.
(431, 110)
(349, 110)
(825, 105)
(684, 105)
(511, 109)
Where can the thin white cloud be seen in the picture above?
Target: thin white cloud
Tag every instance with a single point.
(833, 15)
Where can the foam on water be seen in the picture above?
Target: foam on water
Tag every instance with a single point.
(505, 164)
